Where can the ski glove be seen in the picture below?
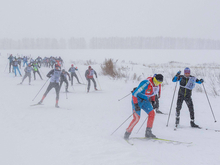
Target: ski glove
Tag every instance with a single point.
(133, 90)
(153, 104)
(137, 108)
(178, 73)
(201, 80)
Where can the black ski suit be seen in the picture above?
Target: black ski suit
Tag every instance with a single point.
(184, 94)
(63, 78)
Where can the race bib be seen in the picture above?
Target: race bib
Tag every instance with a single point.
(191, 83)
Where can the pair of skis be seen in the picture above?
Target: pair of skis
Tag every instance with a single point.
(156, 140)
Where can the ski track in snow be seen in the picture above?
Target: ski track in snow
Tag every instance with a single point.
(80, 131)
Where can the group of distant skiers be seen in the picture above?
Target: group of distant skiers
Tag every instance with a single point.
(56, 75)
(146, 95)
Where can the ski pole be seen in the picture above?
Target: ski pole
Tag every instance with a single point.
(142, 124)
(99, 83)
(209, 102)
(66, 95)
(6, 66)
(122, 123)
(171, 105)
(81, 77)
(40, 89)
(124, 97)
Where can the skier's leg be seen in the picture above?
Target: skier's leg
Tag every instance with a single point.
(51, 85)
(94, 82)
(57, 88)
(88, 84)
(178, 108)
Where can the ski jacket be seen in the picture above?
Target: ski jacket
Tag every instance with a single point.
(72, 69)
(186, 84)
(145, 90)
(15, 63)
(89, 73)
(54, 75)
(63, 76)
(28, 69)
(10, 58)
(152, 98)
(25, 59)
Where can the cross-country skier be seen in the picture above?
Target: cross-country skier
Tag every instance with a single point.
(140, 100)
(54, 76)
(15, 66)
(25, 60)
(10, 62)
(36, 70)
(187, 83)
(89, 76)
(63, 78)
(27, 70)
(72, 70)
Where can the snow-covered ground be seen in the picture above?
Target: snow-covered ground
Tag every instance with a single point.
(79, 132)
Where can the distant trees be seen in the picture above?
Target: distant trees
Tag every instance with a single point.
(110, 43)
(152, 43)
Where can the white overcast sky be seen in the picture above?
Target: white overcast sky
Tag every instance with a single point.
(106, 18)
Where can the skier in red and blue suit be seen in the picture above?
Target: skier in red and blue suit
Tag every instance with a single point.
(140, 100)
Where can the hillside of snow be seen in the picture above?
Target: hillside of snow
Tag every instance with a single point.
(79, 132)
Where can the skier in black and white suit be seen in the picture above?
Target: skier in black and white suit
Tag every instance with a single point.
(54, 76)
(63, 78)
(28, 71)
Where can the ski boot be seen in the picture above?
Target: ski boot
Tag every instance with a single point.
(192, 123)
(158, 111)
(96, 89)
(57, 106)
(126, 135)
(40, 102)
(148, 133)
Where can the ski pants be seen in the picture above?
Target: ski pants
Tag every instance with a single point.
(74, 74)
(25, 76)
(147, 107)
(53, 85)
(16, 68)
(25, 62)
(38, 74)
(189, 103)
(93, 80)
(10, 64)
(67, 84)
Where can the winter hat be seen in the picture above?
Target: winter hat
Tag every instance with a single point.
(159, 77)
(186, 70)
(72, 65)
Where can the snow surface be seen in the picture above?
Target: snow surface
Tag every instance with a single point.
(79, 133)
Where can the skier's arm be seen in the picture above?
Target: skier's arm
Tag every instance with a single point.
(95, 73)
(49, 74)
(68, 75)
(140, 89)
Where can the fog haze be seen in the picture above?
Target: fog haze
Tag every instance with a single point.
(107, 18)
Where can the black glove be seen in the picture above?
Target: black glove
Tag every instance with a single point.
(133, 90)
(201, 80)
(49, 76)
(178, 73)
(137, 108)
(96, 77)
(153, 104)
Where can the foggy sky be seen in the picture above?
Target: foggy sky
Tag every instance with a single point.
(107, 18)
